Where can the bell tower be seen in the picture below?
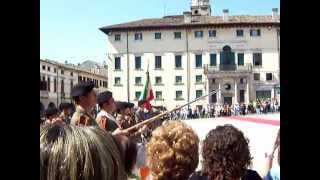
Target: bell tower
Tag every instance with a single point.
(200, 8)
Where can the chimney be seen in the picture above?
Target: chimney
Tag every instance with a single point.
(187, 17)
(274, 13)
(225, 15)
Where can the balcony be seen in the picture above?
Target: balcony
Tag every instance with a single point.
(222, 68)
(44, 94)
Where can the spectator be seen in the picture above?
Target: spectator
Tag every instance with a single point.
(226, 156)
(172, 152)
(81, 153)
(52, 115)
(273, 173)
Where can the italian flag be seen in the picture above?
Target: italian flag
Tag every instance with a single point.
(147, 94)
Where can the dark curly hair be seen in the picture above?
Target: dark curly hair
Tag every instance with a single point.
(225, 153)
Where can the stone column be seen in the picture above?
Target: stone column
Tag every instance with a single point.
(272, 93)
(247, 93)
(235, 91)
(219, 94)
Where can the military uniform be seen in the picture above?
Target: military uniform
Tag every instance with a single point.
(81, 117)
(106, 121)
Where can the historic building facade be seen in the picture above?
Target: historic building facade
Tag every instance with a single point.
(192, 54)
(57, 79)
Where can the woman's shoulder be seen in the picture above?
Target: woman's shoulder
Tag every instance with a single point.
(252, 175)
(198, 176)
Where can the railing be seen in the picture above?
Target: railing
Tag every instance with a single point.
(227, 68)
(44, 94)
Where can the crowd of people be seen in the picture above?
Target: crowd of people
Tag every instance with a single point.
(90, 140)
(256, 107)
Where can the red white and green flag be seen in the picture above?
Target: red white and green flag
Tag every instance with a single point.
(147, 94)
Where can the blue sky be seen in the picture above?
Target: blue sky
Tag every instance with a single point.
(69, 28)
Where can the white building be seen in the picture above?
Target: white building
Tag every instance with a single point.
(57, 79)
(194, 53)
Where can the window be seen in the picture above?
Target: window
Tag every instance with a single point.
(43, 84)
(55, 70)
(55, 85)
(178, 63)
(198, 78)
(158, 62)
(239, 33)
(157, 35)
(212, 33)
(178, 79)
(198, 61)
(100, 83)
(117, 80)
(71, 83)
(241, 96)
(269, 76)
(177, 35)
(256, 76)
(117, 37)
(62, 86)
(178, 94)
(48, 83)
(255, 32)
(198, 93)
(213, 59)
(158, 79)
(138, 80)
(138, 36)
(117, 63)
(62, 71)
(49, 68)
(137, 94)
(158, 95)
(263, 94)
(137, 62)
(213, 80)
(43, 67)
(198, 34)
(241, 81)
(257, 59)
(71, 74)
(240, 59)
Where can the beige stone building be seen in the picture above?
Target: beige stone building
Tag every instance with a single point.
(194, 53)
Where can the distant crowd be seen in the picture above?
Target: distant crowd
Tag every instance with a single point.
(256, 107)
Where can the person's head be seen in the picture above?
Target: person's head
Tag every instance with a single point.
(84, 95)
(172, 152)
(52, 113)
(123, 108)
(78, 153)
(106, 102)
(225, 153)
(65, 108)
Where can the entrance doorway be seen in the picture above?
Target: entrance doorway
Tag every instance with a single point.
(227, 100)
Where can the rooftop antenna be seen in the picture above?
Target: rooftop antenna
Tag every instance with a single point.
(164, 8)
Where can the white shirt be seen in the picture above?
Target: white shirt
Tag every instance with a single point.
(105, 113)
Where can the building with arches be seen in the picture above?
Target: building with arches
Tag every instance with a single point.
(194, 53)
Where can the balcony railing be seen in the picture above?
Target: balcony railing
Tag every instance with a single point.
(44, 94)
(227, 68)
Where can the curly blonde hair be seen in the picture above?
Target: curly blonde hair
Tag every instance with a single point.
(172, 152)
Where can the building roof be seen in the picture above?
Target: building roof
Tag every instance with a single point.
(73, 67)
(197, 21)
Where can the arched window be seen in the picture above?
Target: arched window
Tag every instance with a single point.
(227, 59)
